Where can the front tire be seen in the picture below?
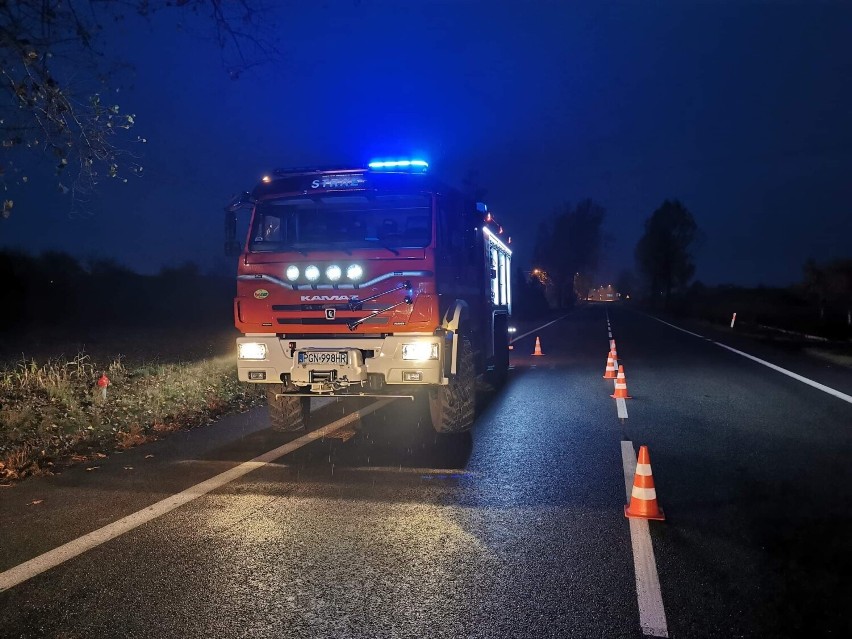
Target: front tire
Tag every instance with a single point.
(287, 413)
(452, 407)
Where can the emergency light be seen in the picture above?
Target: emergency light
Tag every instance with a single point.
(391, 165)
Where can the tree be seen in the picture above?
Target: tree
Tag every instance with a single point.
(663, 253)
(54, 74)
(528, 294)
(568, 246)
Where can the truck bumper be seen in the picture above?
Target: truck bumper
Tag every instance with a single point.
(322, 365)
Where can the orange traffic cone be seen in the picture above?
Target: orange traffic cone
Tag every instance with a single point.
(610, 367)
(621, 385)
(643, 497)
(613, 349)
(537, 347)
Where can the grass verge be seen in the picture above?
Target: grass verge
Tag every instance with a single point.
(53, 413)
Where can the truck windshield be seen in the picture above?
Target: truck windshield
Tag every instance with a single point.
(342, 222)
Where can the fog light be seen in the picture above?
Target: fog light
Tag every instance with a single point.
(412, 376)
(257, 375)
(251, 350)
(420, 351)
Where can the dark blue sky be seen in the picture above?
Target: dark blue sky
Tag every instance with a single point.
(741, 110)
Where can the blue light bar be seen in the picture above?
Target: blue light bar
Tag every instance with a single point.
(379, 165)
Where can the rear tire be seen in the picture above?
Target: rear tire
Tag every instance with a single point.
(452, 407)
(287, 413)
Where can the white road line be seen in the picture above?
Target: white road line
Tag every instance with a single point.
(620, 404)
(652, 615)
(683, 330)
(20, 573)
(783, 371)
(538, 328)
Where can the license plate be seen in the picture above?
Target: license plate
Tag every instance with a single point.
(324, 357)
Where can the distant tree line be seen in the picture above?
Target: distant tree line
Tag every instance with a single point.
(54, 290)
(829, 289)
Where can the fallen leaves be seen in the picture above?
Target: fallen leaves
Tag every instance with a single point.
(35, 502)
(92, 468)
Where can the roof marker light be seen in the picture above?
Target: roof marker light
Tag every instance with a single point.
(421, 165)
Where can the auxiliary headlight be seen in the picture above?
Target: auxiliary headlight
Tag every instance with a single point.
(354, 272)
(251, 350)
(312, 273)
(292, 272)
(420, 351)
(333, 272)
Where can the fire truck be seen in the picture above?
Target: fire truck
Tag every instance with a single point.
(361, 282)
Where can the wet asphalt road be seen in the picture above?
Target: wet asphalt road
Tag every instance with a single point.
(515, 530)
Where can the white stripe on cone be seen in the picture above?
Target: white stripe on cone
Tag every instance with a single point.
(644, 493)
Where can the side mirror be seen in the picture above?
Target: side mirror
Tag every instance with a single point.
(233, 248)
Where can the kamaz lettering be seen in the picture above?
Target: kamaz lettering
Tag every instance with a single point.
(325, 298)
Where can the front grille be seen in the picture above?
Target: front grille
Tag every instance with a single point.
(321, 321)
(322, 307)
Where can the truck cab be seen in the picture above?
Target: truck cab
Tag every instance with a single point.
(369, 281)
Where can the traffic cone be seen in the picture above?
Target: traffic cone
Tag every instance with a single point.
(613, 349)
(610, 366)
(621, 385)
(537, 347)
(643, 497)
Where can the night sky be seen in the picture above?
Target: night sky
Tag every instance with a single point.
(742, 111)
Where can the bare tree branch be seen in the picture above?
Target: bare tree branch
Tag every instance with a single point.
(53, 74)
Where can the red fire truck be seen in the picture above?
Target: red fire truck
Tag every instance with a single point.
(369, 282)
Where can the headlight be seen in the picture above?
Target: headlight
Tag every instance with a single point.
(312, 273)
(292, 273)
(333, 272)
(420, 351)
(251, 350)
(354, 272)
